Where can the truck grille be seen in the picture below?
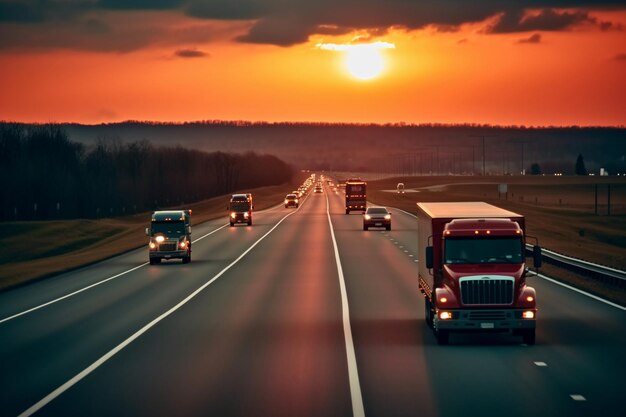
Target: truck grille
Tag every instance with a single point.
(486, 290)
(167, 247)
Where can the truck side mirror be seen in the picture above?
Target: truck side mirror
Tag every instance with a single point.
(537, 256)
(147, 231)
(429, 257)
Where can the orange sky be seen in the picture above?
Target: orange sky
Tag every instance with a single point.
(575, 76)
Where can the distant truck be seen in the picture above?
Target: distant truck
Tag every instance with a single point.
(356, 195)
(400, 188)
(170, 236)
(240, 208)
(473, 276)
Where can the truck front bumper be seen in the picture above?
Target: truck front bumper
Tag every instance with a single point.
(168, 254)
(485, 320)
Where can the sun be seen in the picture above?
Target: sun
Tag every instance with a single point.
(364, 63)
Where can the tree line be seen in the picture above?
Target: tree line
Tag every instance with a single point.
(48, 176)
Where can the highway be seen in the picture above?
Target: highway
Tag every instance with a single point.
(301, 314)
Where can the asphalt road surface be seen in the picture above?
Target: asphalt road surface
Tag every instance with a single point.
(292, 317)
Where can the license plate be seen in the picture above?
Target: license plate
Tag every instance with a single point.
(378, 224)
(486, 325)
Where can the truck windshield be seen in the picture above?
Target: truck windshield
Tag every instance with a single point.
(168, 228)
(240, 206)
(483, 251)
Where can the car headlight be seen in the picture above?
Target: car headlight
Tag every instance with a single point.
(246, 215)
(286, 201)
(387, 216)
(368, 217)
(233, 215)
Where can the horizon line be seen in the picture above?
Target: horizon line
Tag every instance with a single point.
(247, 123)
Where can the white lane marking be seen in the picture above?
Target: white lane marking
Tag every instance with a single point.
(540, 364)
(410, 256)
(67, 385)
(353, 373)
(595, 297)
(578, 397)
(56, 300)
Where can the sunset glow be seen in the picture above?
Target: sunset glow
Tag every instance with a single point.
(538, 67)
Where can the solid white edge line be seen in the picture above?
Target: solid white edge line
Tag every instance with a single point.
(56, 300)
(60, 390)
(595, 297)
(353, 373)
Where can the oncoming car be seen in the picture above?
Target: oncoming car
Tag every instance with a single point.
(376, 217)
(318, 188)
(291, 200)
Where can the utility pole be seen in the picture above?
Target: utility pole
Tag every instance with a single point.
(483, 138)
(522, 142)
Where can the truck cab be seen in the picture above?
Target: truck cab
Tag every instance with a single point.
(240, 208)
(474, 275)
(170, 236)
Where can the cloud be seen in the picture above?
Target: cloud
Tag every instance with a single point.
(190, 53)
(116, 32)
(279, 22)
(534, 38)
(544, 20)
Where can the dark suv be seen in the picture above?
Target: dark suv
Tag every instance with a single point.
(376, 217)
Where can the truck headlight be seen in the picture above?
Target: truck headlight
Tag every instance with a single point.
(246, 215)
(445, 315)
(160, 239)
(528, 314)
(233, 215)
(183, 245)
(152, 245)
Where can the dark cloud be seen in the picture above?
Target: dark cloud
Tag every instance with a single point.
(190, 53)
(545, 20)
(289, 22)
(534, 38)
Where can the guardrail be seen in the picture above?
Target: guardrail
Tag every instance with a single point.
(589, 269)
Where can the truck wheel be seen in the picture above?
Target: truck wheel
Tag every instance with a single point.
(365, 227)
(443, 337)
(155, 261)
(528, 336)
(187, 259)
(388, 227)
(232, 224)
(250, 222)
(286, 206)
(347, 211)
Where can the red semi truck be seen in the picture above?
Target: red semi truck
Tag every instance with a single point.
(473, 276)
(356, 195)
